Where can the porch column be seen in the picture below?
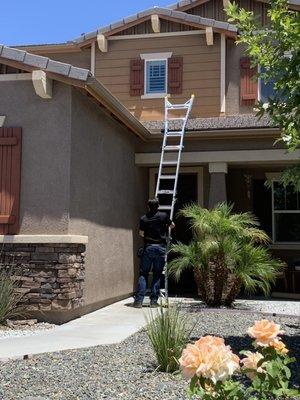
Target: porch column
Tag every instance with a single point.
(217, 189)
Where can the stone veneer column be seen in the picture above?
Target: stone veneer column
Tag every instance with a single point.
(217, 189)
(50, 275)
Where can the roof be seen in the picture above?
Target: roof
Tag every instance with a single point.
(75, 76)
(187, 3)
(43, 63)
(241, 121)
(167, 12)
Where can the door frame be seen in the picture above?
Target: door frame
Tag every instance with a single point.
(183, 170)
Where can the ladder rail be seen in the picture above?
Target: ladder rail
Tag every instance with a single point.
(163, 162)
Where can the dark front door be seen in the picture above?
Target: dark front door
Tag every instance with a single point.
(187, 191)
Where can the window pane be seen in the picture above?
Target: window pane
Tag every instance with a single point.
(279, 196)
(287, 227)
(285, 198)
(266, 89)
(156, 76)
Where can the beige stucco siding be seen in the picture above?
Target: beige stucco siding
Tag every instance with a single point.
(201, 73)
(45, 168)
(107, 196)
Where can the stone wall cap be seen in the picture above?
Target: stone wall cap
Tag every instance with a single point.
(44, 239)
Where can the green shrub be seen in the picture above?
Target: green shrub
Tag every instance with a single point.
(169, 331)
(9, 299)
(227, 252)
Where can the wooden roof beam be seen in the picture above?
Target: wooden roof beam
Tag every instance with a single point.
(209, 36)
(102, 43)
(155, 22)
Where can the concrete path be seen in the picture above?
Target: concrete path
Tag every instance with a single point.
(108, 325)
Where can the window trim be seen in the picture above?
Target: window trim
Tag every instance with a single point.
(275, 178)
(155, 57)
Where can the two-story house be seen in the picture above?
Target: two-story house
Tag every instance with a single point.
(229, 154)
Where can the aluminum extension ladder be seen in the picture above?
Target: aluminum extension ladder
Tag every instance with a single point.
(175, 150)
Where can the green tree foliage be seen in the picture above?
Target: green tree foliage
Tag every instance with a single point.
(276, 49)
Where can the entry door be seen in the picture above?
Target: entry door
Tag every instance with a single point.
(189, 191)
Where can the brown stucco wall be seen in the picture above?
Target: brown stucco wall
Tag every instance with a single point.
(45, 154)
(107, 195)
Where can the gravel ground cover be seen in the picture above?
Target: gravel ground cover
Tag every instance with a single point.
(127, 370)
(7, 332)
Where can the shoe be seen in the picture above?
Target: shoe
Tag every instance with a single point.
(154, 304)
(137, 304)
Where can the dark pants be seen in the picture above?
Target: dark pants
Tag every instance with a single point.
(153, 256)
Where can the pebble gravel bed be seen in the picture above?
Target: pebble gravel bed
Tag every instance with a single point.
(6, 332)
(127, 370)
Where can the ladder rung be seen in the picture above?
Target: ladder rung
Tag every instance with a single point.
(165, 192)
(173, 162)
(168, 177)
(165, 207)
(172, 148)
(178, 107)
(177, 119)
(175, 133)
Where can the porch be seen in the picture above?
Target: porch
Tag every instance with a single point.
(243, 183)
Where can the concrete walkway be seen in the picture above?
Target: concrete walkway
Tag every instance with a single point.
(108, 325)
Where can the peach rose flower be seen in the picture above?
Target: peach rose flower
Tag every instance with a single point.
(190, 360)
(279, 346)
(264, 332)
(210, 341)
(250, 362)
(209, 358)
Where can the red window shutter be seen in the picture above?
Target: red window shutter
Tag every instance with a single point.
(137, 77)
(248, 84)
(175, 73)
(10, 179)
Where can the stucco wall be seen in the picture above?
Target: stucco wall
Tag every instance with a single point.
(108, 194)
(45, 154)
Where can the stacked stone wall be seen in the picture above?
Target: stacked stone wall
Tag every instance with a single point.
(50, 277)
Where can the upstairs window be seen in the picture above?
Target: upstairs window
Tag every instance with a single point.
(156, 76)
(266, 89)
(286, 213)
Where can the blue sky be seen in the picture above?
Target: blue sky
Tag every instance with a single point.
(38, 21)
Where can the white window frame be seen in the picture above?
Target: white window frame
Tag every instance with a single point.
(155, 57)
(275, 178)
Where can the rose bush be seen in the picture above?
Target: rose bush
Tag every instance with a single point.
(213, 369)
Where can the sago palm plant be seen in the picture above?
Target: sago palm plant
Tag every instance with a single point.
(226, 253)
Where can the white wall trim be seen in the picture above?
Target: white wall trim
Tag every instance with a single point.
(156, 56)
(223, 73)
(156, 35)
(26, 76)
(2, 120)
(44, 239)
(183, 170)
(220, 167)
(154, 96)
(93, 57)
(230, 157)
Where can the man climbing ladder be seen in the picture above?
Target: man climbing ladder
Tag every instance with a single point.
(155, 226)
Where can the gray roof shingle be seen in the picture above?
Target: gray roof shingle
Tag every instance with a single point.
(161, 11)
(242, 121)
(44, 63)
